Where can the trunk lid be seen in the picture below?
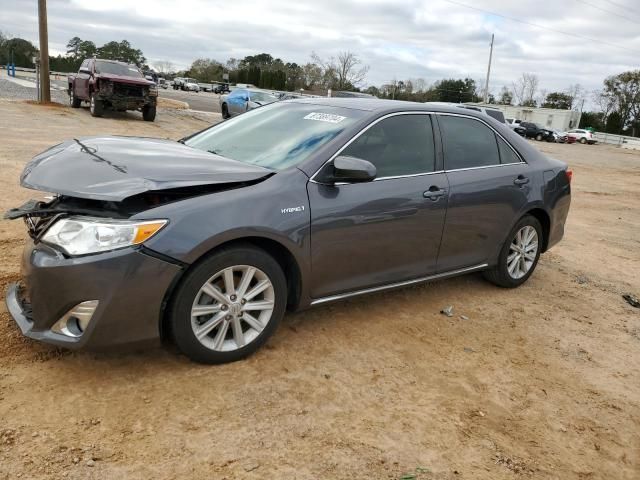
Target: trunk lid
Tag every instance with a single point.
(114, 168)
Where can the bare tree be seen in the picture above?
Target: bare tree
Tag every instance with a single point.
(344, 71)
(525, 88)
(576, 93)
(606, 102)
(164, 66)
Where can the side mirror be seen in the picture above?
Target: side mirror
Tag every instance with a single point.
(85, 70)
(352, 170)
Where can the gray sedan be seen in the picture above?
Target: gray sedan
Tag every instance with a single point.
(209, 240)
(242, 100)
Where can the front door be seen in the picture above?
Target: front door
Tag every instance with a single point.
(372, 234)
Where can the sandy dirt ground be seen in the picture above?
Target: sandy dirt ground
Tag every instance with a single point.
(538, 382)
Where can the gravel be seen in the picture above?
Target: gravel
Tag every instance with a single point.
(13, 91)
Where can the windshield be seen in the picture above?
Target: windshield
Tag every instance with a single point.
(262, 97)
(278, 135)
(118, 69)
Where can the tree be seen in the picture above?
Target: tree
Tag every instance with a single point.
(164, 67)
(606, 103)
(311, 76)
(23, 52)
(206, 70)
(122, 51)
(505, 97)
(559, 100)
(625, 89)
(524, 89)
(344, 72)
(73, 47)
(455, 90)
(576, 94)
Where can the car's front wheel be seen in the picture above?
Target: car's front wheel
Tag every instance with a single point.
(519, 255)
(96, 106)
(539, 137)
(228, 305)
(583, 140)
(73, 100)
(149, 113)
(225, 111)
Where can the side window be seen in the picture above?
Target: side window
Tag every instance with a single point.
(85, 65)
(507, 155)
(467, 143)
(398, 145)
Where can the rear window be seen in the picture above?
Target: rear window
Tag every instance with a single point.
(497, 114)
(467, 143)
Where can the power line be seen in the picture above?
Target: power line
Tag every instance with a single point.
(513, 19)
(622, 6)
(608, 11)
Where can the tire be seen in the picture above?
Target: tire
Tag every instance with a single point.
(501, 275)
(225, 111)
(583, 140)
(73, 100)
(149, 113)
(220, 340)
(539, 137)
(96, 107)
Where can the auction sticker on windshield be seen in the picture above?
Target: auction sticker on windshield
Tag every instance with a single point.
(324, 117)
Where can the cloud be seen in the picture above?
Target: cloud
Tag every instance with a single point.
(398, 38)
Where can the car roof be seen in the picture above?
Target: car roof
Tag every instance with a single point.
(388, 106)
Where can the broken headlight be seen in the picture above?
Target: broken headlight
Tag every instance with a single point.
(83, 235)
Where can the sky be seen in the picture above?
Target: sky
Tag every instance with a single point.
(398, 39)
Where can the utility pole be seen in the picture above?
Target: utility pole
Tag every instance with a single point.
(486, 85)
(45, 87)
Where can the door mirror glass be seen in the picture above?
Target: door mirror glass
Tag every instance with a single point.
(352, 170)
(85, 70)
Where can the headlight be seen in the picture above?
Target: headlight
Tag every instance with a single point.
(82, 235)
(106, 86)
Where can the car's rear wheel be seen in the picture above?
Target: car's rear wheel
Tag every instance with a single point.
(583, 140)
(149, 113)
(519, 255)
(228, 305)
(96, 107)
(73, 100)
(225, 111)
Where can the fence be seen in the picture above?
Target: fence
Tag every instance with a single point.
(618, 140)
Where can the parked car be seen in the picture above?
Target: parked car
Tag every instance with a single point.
(242, 100)
(162, 83)
(107, 84)
(221, 88)
(298, 203)
(582, 136)
(533, 130)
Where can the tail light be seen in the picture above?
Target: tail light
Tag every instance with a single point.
(569, 174)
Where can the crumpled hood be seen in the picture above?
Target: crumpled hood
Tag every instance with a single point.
(114, 168)
(124, 79)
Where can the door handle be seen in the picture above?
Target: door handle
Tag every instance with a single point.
(521, 180)
(434, 193)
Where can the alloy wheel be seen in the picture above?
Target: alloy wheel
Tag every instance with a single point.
(522, 252)
(232, 308)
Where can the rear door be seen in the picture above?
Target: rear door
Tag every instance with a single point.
(373, 234)
(489, 185)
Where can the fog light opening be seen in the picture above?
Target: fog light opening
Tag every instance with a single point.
(75, 322)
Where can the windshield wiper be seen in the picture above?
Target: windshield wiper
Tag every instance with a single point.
(213, 151)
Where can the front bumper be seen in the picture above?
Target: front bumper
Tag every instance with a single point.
(130, 287)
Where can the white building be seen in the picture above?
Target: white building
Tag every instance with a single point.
(562, 120)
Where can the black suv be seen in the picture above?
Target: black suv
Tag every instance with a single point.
(533, 130)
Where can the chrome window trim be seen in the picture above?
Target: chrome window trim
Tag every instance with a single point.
(340, 296)
(426, 112)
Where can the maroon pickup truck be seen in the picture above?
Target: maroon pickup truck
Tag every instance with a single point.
(115, 85)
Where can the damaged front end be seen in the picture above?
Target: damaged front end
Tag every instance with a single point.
(124, 96)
